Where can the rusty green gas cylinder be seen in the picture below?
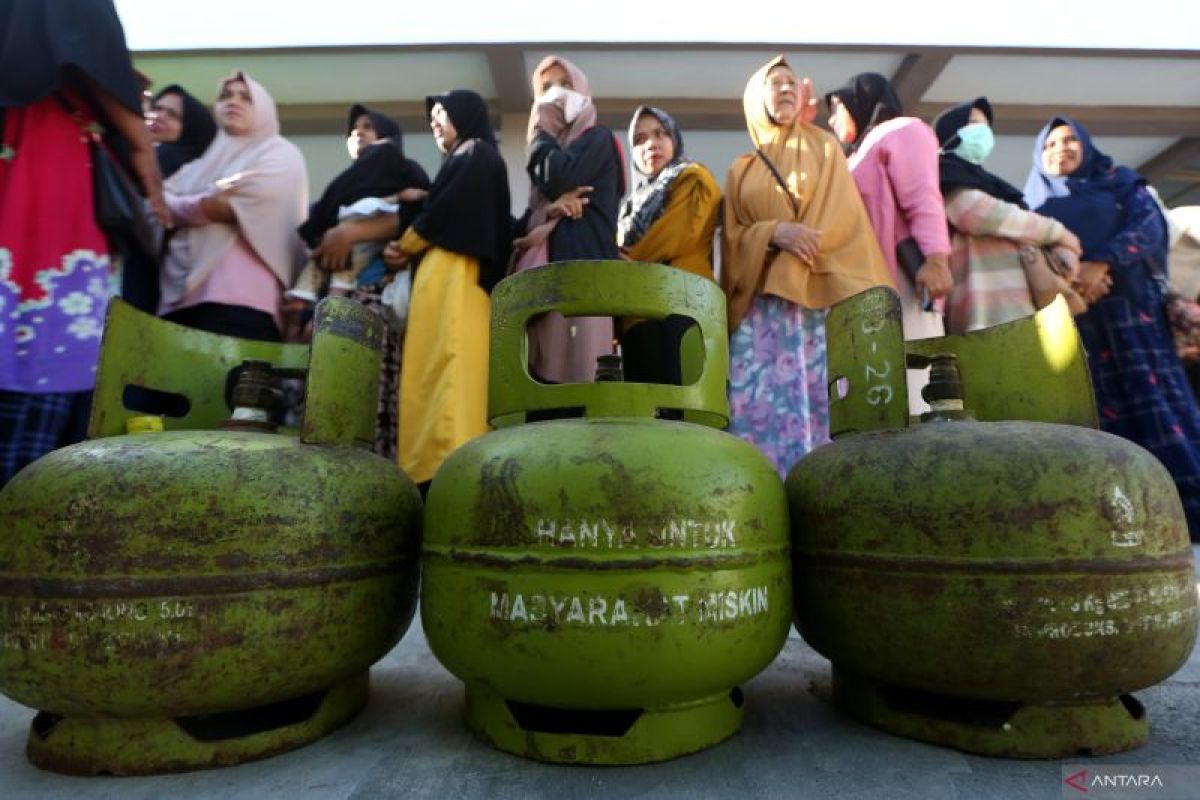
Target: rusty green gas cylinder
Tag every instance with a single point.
(602, 584)
(997, 586)
(194, 598)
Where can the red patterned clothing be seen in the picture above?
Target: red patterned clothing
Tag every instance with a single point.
(55, 273)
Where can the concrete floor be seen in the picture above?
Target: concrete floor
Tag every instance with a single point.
(410, 742)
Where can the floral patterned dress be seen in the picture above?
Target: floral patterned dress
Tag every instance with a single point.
(55, 280)
(778, 400)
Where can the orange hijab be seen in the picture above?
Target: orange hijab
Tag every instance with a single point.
(819, 181)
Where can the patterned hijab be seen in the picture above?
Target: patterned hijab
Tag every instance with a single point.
(648, 199)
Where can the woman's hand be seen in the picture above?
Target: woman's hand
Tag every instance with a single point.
(412, 195)
(798, 239)
(1069, 241)
(1067, 262)
(934, 277)
(806, 104)
(1094, 280)
(569, 204)
(333, 253)
(394, 258)
(145, 164)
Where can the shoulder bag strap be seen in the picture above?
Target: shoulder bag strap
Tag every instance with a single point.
(779, 179)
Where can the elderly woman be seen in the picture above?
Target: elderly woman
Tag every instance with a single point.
(236, 209)
(1142, 393)
(575, 168)
(463, 237)
(796, 239)
(669, 218)
(181, 126)
(994, 239)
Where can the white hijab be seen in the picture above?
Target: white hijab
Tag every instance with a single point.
(270, 202)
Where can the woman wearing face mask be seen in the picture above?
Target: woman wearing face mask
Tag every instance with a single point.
(575, 168)
(994, 239)
(1142, 393)
(236, 209)
(795, 240)
(462, 236)
(669, 218)
(894, 160)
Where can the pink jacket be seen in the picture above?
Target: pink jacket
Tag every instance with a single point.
(896, 169)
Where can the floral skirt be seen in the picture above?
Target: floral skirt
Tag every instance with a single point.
(778, 397)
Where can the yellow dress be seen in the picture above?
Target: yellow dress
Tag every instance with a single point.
(443, 381)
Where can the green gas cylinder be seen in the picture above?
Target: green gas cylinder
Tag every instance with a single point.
(986, 577)
(602, 583)
(214, 592)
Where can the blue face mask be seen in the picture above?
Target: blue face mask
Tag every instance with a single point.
(975, 142)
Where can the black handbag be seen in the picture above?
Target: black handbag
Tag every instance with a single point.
(910, 258)
(119, 209)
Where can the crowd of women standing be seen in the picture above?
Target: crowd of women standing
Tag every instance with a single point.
(809, 218)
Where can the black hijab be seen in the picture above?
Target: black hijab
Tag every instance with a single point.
(41, 38)
(380, 170)
(871, 100)
(198, 131)
(957, 172)
(468, 210)
(385, 126)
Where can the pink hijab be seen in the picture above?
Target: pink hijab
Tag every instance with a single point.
(534, 249)
(561, 351)
(270, 201)
(556, 124)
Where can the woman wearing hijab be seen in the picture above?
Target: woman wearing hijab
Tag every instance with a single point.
(1142, 393)
(994, 239)
(338, 235)
(181, 126)
(575, 168)
(463, 238)
(796, 239)
(67, 76)
(182, 129)
(236, 209)
(669, 218)
(369, 203)
(894, 161)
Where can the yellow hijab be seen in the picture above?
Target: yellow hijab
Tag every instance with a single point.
(819, 181)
